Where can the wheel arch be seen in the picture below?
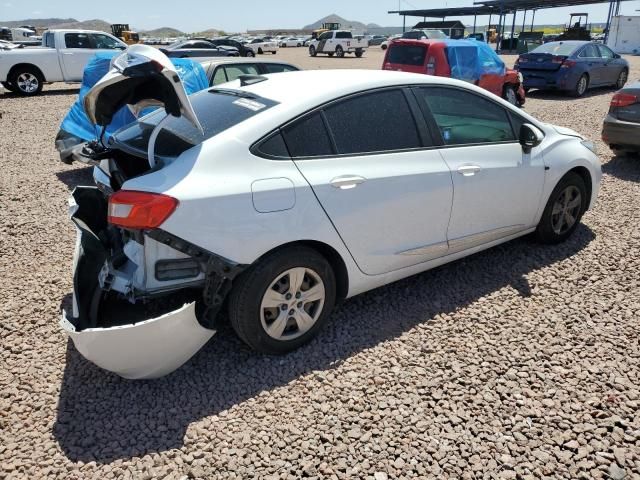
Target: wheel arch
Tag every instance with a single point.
(586, 177)
(18, 66)
(331, 255)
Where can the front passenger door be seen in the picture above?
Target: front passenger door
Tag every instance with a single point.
(497, 188)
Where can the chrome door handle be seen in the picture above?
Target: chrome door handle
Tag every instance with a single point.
(67, 53)
(469, 170)
(346, 182)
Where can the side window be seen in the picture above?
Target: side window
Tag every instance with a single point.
(201, 45)
(274, 146)
(278, 68)
(77, 40)
(605, 52)
(466, 118)
(234, 71)
(49, 40)
(104, 42)
(374, 122)
(308, 137)
(218, 77)
(326, 36)
(589, 51)
(343, 35)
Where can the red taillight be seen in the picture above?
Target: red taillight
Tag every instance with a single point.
(140, 210)
(566, 63)
(623, 99)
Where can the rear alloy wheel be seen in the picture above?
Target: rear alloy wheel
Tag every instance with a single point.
(622, 78)
(581, 86)
(563, 211)
(510, 95)
(260, 51)
(282, 301)
(339, 52)
(26, 81)
(359, 53)
(312, 51)
(250, 54)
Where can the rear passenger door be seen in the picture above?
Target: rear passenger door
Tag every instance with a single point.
(590, 57)
(497, 188)
(370, 162)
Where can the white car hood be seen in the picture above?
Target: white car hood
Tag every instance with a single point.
(140, 77)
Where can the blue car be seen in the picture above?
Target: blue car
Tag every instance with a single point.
(573, 67)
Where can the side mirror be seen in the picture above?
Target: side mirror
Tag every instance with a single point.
(530, 137)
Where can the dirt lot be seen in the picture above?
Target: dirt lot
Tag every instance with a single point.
(519, 362)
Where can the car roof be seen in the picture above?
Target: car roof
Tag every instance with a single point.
(311, 86)
(223, 60)
(577, 43)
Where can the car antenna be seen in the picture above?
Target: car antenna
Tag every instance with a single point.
(251, 79)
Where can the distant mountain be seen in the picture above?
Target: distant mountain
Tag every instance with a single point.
(163, 32)
(346, 24)
(37, 22)
(94, 24)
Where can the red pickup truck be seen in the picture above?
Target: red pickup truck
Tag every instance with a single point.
(468, 60)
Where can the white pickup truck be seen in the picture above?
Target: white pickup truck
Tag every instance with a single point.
(61, 58)
(338, 42)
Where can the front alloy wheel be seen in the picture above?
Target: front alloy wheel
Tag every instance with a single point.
(282, 300)
(622, 79)
(565, 207)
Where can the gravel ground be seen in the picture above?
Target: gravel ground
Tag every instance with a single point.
(519, 362)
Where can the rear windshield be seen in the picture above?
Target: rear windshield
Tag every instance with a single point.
(407, 54)
(557, 48)
(216, 109)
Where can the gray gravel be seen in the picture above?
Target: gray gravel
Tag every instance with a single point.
(519, 362)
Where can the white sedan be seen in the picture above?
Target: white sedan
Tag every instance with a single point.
(261, 45)
(291, 42)
(278, 196)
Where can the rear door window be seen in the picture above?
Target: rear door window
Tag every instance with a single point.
(407, 54)
(373, 122)
(465, 118)
(234, 71)
(278, 68)
(308, 137)
(589, 51)
(344, 35)
(219, 76)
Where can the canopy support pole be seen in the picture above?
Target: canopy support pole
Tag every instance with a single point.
(533, 20)
(513, 31)
(475, 17)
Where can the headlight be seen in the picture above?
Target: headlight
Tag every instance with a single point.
(589, 144)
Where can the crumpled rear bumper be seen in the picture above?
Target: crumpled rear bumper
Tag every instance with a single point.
(148, 349)
(123, 341)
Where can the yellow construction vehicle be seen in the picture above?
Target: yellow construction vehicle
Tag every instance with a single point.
(124, 33)
(325, 28)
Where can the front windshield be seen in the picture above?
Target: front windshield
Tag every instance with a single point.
(435, 34)
(216, 109)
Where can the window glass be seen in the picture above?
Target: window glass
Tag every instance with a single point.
(201, 45)
(517, 121)
(308, 137)
(326, 36)
(556, 48)
(407, 54)
(375, 122)
(278, 68)
(605, 52)
(105, 42)
(77, 40)
(343, 35)
(234, 71)
(274, 146)
(589, 51)
(49, 40)
(219, 76)
(467, 118)
(216, 110)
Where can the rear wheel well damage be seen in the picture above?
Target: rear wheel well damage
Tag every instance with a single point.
(25, 66)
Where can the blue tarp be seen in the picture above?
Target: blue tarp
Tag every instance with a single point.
(76, 121)
(470, 59)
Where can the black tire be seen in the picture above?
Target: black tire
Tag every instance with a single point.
(249, 289)
(581, 88)
(260, 52)
(312, 51)
(510, 94)
(330, 54)
(273, 53)
(250, 54)
(546, 231)
(299, 45)
(35, 84)
(339, 52)
(383, 47)
(622, 78)
(359, 53)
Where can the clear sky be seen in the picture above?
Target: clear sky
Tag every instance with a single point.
(240, 15)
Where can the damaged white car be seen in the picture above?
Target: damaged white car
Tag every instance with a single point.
(277, 197)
